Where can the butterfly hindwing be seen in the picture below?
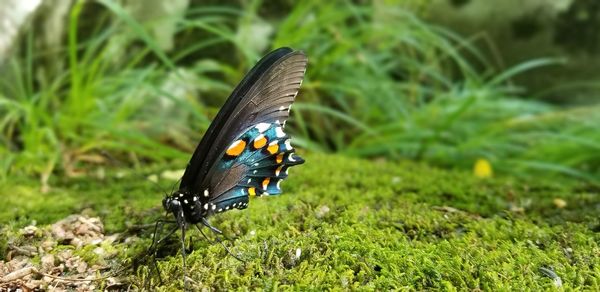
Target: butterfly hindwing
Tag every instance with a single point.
(265, 158)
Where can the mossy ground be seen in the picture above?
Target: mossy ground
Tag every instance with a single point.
(354, 224)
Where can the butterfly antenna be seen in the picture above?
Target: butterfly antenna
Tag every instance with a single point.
(153, 249)
(174, 185)
(157, 185)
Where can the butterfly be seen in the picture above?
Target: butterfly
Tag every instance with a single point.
(245, 151)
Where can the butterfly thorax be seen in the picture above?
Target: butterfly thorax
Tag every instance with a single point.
(186, 207)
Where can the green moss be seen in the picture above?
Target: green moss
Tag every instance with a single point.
(88, 255)
(373, 225)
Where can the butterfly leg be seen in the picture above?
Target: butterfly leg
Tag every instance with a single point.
(182, 225)
(160, 223)
(214, 229)
(183, 257)
(158, 227)
(218, 239)
(153, 249)
(153, 245)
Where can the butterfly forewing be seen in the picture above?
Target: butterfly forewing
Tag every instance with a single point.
(245, 151)
(200, 162)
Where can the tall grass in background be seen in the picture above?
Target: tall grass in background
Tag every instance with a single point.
(385, 83)
(381, 83)
(84, 113)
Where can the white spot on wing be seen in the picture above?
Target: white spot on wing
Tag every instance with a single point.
(291, 157)
(206, 193)
(288, 145)
(279, 184)
(249, 180)
(279, 132)
(261, 127)
(282, 108)
(205, 206)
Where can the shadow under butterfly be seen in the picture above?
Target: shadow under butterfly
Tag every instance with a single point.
(245, 151)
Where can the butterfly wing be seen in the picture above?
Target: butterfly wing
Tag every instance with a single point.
(245, 150)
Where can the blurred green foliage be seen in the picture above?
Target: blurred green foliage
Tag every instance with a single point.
(381, 83)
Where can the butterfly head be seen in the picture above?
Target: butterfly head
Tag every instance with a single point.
(172, 203)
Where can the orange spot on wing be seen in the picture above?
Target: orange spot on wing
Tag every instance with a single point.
(273, 147)
(265, 183)
(236, 148)
(279, 158)
(260, 142)
(252, 191)
(278, 170)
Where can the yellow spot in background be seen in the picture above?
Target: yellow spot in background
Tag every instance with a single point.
(559, 203)
(483, 168)
(236, 148)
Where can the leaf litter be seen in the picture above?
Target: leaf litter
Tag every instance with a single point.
(69, 255)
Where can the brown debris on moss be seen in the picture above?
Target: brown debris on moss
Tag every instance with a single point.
(56, 257)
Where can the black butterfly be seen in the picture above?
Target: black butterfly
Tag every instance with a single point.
(245, 151)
